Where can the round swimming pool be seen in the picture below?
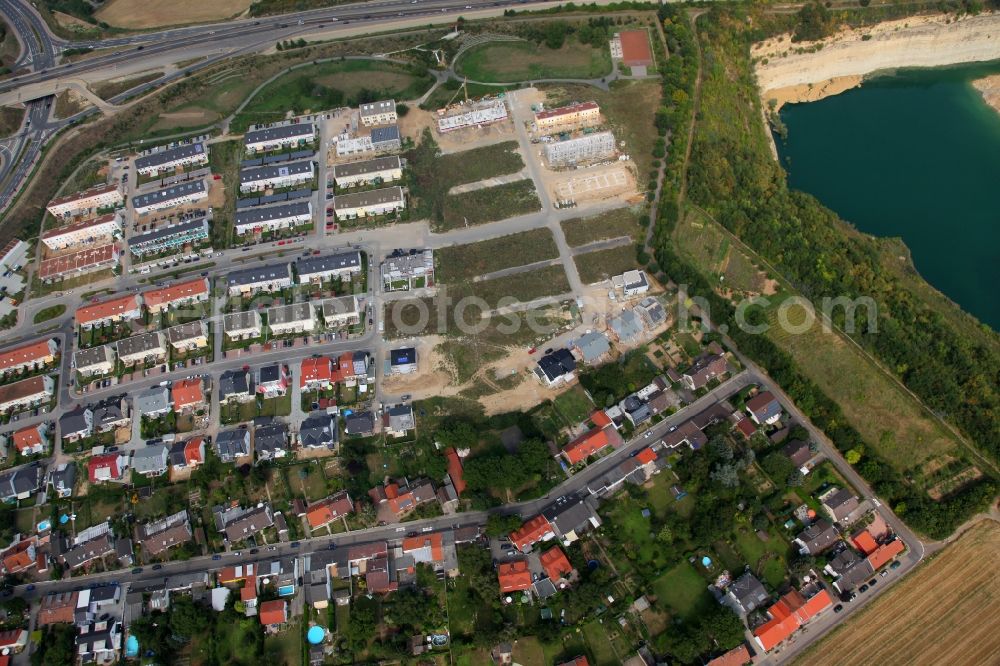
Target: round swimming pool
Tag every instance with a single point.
(315, 635)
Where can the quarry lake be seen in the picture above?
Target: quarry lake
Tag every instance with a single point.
(915, 155)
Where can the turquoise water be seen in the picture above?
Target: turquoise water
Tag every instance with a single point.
(286, 590)
(914, 155)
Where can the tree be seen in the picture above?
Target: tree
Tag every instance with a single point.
(853, 456)
(188, 618)
(665, 535)
(778, 466)
(499, 525)
(726, 476)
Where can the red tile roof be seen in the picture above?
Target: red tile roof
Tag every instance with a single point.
(106, 309)
(175, 292)
(455, 469)
(532, 531)
(328, 510)
(747, 427)
(646, 456)
(435, 541)
(272, 612)
(316, 371)
(27, 438)
(194, 451)
(738, 656)
(635, 47)
(186, 393)
(514, 576)
(249, 590)
(344, 369)
(788, 614)
(885, 554)
(78, 261)
(776, 630)
(555, 563)
(578, 661)
(33, 352)
(106, 460)
(865, 542)
(585, 445)
(601, 419)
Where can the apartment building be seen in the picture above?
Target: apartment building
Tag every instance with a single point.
(320, 269)
(275, 176)
(143, 348)
(581, 149)
(166, 160)
(369, 204)
(32, 391)
(84, 232)
(30, 356)
(242, 325)
(79, 263)
(168, 197)
(94, 198)
(379, 170)
(171, 236)
(476, 114)
(180, 293)
(572, 115)
(270, 138)
(116, 309)
(256, 220)
(94, 361)
(382, 112)
(294, 318)
(273, 277)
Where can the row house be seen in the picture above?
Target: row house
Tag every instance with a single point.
(31, 356)
(188, 337)
(26, 393)
(185, 232)
(242, 325)
(168, 160)
(143, 348)
(95, 198)
(321, 268)
(169, 197)
(291, 319)
(379, 170)
(95, 361)
(122, 308)
(369, 204)
(259, 219)
(84, 233)
(249, 281)
(270, 138)
(275, 176)
(177, 294)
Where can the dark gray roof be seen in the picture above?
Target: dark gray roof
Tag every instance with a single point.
(182, 229)
(73, 420)
(749, 592)
(144, 342)
(377, 108)
(369, 198)
(270, 373)
(359, 423)
(108, 411)
(819, 536)
(570, 516)
(232, 443)
(403, 356)
(319, 429)
(387, 133)
(274, 171)
(84, 358)
(366, 166)
(169, 155)
(282, 132)
(22, 480)
(262, 214)
(169, 193)
(557, 364)
(63, 476)
(331, 262)
(233, 382)
(271, 437)
(258, 274)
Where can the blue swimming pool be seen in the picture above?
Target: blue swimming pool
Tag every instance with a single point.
(286, 590)
(131, 647)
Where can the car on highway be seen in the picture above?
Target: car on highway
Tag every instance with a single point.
(296, 544)
(216, 557)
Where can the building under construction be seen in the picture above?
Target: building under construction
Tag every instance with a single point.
(472, 114)
(586, 148)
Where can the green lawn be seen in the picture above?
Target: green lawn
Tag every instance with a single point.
(767, 559)
(603, 264)
(600, 646)
(236, 641)
(611, 224)
(507, 62)
(574, 405)
(51, 312)
(332, 84)
(461, 262)
(682, 591)
(307, 478)
(489, 204)
(285, 647)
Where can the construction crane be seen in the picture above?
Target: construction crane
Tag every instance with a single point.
(464, 86)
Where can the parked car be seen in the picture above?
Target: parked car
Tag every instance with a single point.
(838, 608)
(896, 565)
(216, 557)
(872, 582)
(157, 567)
(863, 589)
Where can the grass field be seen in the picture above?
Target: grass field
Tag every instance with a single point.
(548, 281)
(431, 175)
(602, 264)
(508, 62)
(600, 646)
(682, 591)
(332, 84)
(946, 612)
(489, 204)
(51, 312)
(10, 120)
(705, 243)
(108, 89)
(612, 224)
(574, 405)
(138, 14)
(889, 419)
(461, 262)
(224, 160)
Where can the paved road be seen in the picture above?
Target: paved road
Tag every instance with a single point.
(574, 486)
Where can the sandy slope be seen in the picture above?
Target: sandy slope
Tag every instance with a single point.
(990, 89)
(844, 59)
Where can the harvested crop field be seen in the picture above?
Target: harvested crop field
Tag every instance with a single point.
(489, 204)
(603, 264)
(612, 224)
(947, 612)
(162, 13)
